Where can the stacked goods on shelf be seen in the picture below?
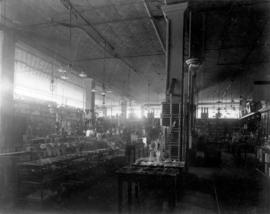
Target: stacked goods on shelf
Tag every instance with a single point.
(70, 120)
(171, 119)
(58, 154)
(264, 125)
(259, 155)
(263, 148)
(216, 129)
(62, 163)
(42, 119)
(213, 136)
(263, 157)
(58, 146)
(39, 120)
(166, 114)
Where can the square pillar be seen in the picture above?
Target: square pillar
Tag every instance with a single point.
(7, 62)
(8, 126)
(123, 109)
(174, 15)
(89, 93)
(90, 99)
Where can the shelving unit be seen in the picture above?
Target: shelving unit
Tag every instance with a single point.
(171, 119)
(263, 157)
(48, 176)
(215, 129)
(263, 148)
(45, 118)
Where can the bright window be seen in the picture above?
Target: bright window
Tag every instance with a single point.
(226, 110)
(32, 83)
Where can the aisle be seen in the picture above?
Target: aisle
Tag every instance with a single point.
(229, 189)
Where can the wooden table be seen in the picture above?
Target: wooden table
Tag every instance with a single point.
(61, 171)
(137, 175)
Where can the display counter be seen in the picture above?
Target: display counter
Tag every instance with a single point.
(64, 165)
(166, 173)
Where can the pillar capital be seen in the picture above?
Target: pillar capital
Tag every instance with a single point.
(7, 59)
(174, 8)
(194, 62)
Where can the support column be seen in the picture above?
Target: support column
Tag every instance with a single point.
(142, 111)
(7, 57)
(174, 15)
(8, 179)
(193, 65)
(104, 110)
(90, 99)
(123, 109)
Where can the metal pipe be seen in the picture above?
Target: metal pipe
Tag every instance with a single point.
(193, 65)
(167, 54)
(189, 33)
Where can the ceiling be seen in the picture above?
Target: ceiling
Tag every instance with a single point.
(233, 39)
(115, 42)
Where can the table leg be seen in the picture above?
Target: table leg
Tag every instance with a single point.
(137, 191)
(41, 192)
(180, 184)
(133, 155)
(120, 194)
(129, 196)
(174, 192)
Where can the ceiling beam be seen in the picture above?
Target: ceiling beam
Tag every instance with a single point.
(95, 35)
(219, 103)
(110, 4)
(255, 41)
(127, 56)
(216, 6)
(157, 31)
(24, 39)
(53, 22)
(244, 46)
(127, 20)
(247, 63)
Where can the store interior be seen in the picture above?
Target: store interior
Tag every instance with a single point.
(134, 106)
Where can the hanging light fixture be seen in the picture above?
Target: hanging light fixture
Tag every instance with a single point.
(103, 98)
(103, 92)
(82, 74)
(64, 77)
(61, 70)
(64, 72)
(52, 80)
